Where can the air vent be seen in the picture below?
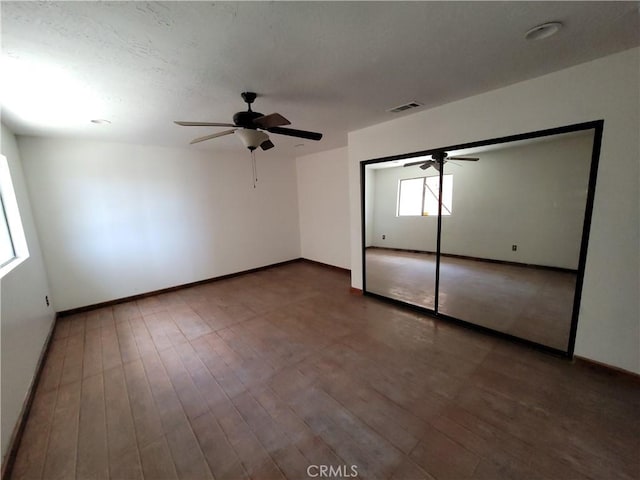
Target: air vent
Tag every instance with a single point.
(406, 106)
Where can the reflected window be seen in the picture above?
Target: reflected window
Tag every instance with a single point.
(419, 196)
(410, 195)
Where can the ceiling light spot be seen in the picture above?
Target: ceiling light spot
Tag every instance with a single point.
(44, 93)
(543, 31)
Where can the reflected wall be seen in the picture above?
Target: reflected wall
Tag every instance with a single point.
(507, 254)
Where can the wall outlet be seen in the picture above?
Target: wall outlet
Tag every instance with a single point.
(514, 248)
(384, 236)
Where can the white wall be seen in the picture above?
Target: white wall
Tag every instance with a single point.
(117, 220)
(532, 196)
(25, 320)
(607, 88)
(323, 199)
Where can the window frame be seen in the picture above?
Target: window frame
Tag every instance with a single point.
(5, 261)
(12, 219)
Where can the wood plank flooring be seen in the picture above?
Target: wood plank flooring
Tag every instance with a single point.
(267, 374)
(531, 303)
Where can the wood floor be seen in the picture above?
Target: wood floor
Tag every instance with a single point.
(268, 374)
(531, 303)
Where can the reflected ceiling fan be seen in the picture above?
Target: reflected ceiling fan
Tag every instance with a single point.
(438, 159)
(249, 126)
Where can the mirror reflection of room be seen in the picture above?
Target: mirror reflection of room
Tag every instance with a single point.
(512, 226)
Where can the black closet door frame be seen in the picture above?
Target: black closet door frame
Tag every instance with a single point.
(597, 126)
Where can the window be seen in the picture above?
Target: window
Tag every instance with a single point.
(13, 245)
(419, 196)
(7, 251)
(410, 197)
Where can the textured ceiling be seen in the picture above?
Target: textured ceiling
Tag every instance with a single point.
(331, 67)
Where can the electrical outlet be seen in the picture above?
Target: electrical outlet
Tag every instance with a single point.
(514, 248)
(46, 299)
(384, 236)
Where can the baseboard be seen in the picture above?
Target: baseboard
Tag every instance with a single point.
(479, 259)
(326, 265)
(110, 303)
(16, 436)
(607, 369)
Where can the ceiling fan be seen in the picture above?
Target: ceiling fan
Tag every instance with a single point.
(249, 126)
(438, 159)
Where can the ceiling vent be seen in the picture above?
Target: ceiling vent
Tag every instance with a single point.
(406, 106)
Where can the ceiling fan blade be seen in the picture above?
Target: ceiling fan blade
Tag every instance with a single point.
(204, 124)
(466, 159)
(266, 145)
(413, 163)
(270, 121)
(429, 163)
(213, 135)
(292, 132)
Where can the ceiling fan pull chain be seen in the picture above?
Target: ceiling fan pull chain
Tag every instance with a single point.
(255, 169)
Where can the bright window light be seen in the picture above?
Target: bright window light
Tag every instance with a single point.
(45, 94)
(7, 252)
(419, 196)
(432, 187)
(410, 197)
(13, 244)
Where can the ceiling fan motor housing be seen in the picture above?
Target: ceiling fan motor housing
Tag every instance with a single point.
(245, 119)
(439, 156)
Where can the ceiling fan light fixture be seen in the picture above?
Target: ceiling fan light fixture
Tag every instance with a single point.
(250, 138)
(543, 31)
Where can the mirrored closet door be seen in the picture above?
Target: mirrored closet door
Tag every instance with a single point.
(492, 234)
(400, 235)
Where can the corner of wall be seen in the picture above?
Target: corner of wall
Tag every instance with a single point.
(25, 318)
